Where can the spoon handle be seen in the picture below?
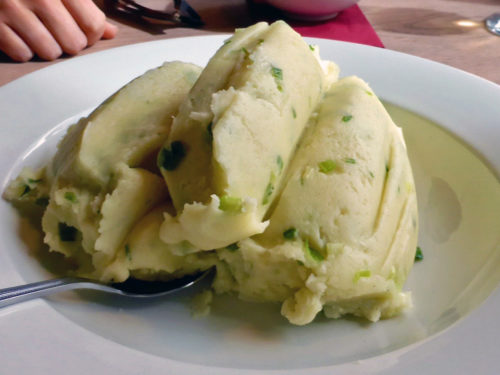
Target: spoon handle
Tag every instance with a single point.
(9, 296)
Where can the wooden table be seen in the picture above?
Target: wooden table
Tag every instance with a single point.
(448, 31)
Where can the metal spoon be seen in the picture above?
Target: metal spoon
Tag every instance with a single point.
(493, 23)
(130, 288)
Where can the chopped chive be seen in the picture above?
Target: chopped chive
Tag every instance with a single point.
(327, 166)
(267, 193)
(67, 233)
(294, 114)
(245, 51)
(371, 174)
(419, 255)
(42, 201)
(363, 273)
(260, 42)
(350, 160)
(127, 252)
(279, 161)
(70, 196)
(227, 41)
(290, 234)
(233, 247)
(369, 93)
(26, 190)
(387, 168)
(269, 189)
(277, 73)
(311, 47)
(170, 158)
(32, 181)
(313, 253)
(230, 204)
(346, 118)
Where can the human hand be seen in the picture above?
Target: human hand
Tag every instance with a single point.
(48, 28)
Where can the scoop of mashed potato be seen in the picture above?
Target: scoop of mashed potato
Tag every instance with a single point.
(231, 143)
(295, 185)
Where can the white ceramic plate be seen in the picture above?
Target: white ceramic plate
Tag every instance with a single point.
(452, 329)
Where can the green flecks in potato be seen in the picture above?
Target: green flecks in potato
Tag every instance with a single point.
(279, 161)
(369, 93)
(127, 252)
(277, 73)
(346, 118)
(290, 234)
(350, 160)
(67, 233)
(269, 189)
(25, 191)
(312, 48)
(363, 273)
(170, 158)
(294, 113)
(371, 174)
(327, 166)
(230, 204)
(34, 181)
(71, 197)
(233, 247)
(419, 255)
(312, 252)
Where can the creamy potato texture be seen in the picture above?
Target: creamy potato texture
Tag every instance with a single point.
(295, 185)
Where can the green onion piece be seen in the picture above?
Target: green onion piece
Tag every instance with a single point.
(346, 118)
(26, 190)
(267, 193)
(42, 201)
(233, 247)
(260, 42)
(127, 252)
(290, 234)
(277, 73)
(419, 255)
(70, 196)
(350, 160)
(363, 273)
(170, 158)
(227, 41)
(31, 181)
(67, 233)
(371, 174)
(294, 114)
(279, 161)
(230, 204)
(369, 93)
(311, 47)
(313, 253)
(245, 51)
(327, 166)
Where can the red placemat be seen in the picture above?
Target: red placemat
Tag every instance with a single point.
(350, 25)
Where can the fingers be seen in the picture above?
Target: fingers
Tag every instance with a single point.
(62, 26)
(13, 45)
(32, 31)
(109, 31)
(90, 19)
(50, 27)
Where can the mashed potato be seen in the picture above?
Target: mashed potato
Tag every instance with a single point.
(295, 185)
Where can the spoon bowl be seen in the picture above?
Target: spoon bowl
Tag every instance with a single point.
(130, 288)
